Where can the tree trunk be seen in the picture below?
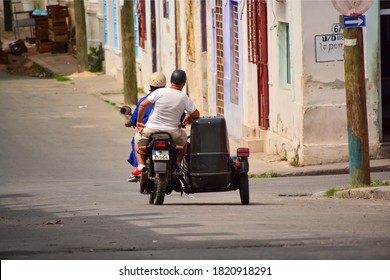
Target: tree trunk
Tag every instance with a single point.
(128, 53)
(81, 35)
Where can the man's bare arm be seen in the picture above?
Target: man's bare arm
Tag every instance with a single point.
(141, 112)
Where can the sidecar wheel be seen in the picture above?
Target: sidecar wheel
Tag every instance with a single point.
(244, 189)
(159, 190)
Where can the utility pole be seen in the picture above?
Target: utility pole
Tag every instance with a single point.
(128, 53)
(81, 35)
(359, 161)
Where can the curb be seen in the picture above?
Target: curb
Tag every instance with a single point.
(365, 193)
(336, 171)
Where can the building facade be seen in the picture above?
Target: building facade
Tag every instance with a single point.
(273, 68)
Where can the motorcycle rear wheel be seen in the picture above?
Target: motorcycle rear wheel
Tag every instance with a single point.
(158, 195)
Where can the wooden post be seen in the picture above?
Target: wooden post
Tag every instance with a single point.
(81, 35)
(359, 161)
(128, 53)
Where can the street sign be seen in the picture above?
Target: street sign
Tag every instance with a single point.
(329, 47)
(352, 7)
(351, 22)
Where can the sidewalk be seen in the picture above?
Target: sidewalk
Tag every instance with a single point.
(261, 164)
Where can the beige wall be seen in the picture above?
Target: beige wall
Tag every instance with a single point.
(308, 119)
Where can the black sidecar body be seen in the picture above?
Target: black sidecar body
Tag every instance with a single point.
(208, 166)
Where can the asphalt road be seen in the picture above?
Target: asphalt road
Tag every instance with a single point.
(64, 195)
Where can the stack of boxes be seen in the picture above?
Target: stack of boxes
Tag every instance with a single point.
(41, 28)
(58, 28)
(42, 34)
(52, 30)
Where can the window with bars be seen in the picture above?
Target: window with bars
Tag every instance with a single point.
(105, 23)
(141, 23)
(252, 10)
(236, 55)
(219, 56)
(115, 21)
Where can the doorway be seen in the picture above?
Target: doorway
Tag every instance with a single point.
(385, 68)
(153, 34)
(258, 54)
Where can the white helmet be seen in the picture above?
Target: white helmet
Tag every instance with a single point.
(157, 79)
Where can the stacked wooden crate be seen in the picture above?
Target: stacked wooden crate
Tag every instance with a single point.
(42, 33)
(58, 28)
(41, 28)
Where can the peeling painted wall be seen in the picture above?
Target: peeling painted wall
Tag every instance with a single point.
(195, 59)
(284, 136)
(324, 130)
(308, 119)
(324, 122)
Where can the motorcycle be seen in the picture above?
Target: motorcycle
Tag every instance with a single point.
(207, 164)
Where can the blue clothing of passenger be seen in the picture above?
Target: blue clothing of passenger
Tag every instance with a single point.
(147, 112)
(132, 158)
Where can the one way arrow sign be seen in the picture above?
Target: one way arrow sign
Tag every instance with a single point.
(354, 21)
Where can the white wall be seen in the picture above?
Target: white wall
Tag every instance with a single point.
(308, 120)
(92, 23)
(285, 132)
(372, 47)
(324, 116)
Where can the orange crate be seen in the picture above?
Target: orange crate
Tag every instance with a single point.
(44, 46)
(57, 22)
(58, 37)
(57, 11)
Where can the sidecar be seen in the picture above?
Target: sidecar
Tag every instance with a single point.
(208, 166)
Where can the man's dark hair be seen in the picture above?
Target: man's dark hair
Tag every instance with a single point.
(178, 77)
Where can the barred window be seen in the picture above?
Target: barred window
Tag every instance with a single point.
(141, 23)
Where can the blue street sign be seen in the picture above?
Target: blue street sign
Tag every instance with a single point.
(354, 21)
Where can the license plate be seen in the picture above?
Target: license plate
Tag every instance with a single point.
(160, 155)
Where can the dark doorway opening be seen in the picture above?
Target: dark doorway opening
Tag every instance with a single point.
(385, 68)
(153, 34)
(7, 8)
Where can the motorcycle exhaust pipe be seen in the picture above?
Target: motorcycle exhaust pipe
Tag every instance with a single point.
(125, 110)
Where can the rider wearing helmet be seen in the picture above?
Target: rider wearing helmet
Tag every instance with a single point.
(169, 105)
(178, 77)
(156, 80)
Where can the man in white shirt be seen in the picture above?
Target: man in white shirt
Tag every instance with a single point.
(169, 105)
